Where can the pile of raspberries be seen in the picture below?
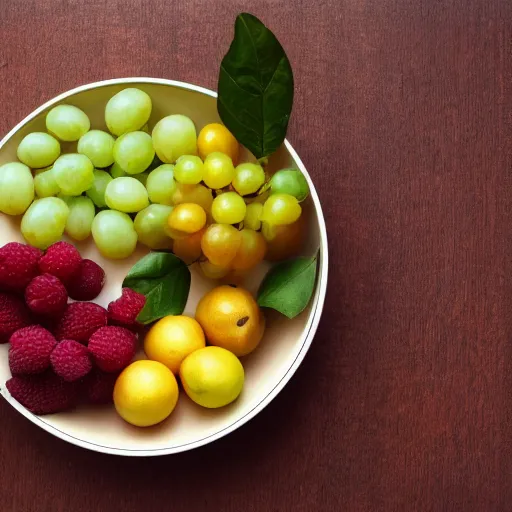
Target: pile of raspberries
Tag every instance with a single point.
(62, 354)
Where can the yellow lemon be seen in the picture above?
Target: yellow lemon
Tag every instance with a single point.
(172, 339)
(215, 137)
(231, 319)
(145, 393)
(212, 377)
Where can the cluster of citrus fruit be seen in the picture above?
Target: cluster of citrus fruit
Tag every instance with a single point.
(228, 317)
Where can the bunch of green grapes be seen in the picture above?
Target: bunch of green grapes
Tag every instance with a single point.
(168, 188)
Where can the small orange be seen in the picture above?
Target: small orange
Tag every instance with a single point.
(215, 137)
(231, 319)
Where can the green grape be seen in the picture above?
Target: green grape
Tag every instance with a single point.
(281, 209)
(248, 178)
(44, 222)
(253, 216)
(16, 188)
(126, 195)
(73, 173)
(114, 234)
(64, 197)
(150, 225)
(142, 177)
(97, 190)
(290, 181)
(218, 170)
(228, 208)
(38, 150)
(220, 244)
(174, 136)
(189, 170)
(98, 146)
(116, 171)
(45, 184)
(134, 152)
(161, 185)
(127, 111)
(154, 164)
(197, 194)
(81, 215)
(67, 122)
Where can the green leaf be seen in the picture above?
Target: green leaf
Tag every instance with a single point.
(288, 286)
(165, 282)
(255, 87)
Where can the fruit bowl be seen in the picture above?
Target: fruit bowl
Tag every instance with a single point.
(268, 369)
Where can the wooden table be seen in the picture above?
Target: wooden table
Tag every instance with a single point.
(403, 118)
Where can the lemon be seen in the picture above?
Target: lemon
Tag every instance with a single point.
(212, 377)
(145, 393)
(231, 319)
(172, 339)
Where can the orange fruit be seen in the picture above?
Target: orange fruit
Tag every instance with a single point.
(231, 319)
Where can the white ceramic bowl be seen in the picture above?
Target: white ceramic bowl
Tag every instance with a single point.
(268, 369)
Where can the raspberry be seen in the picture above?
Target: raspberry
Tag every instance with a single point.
(43, 394)
(98, 387)
(80, 320)
(13, 316)
(70, 360)
(18, 266)
(112, 348)
(61, 260)
(46, 295)
(30, 350)
(87, 282)
(124, 310)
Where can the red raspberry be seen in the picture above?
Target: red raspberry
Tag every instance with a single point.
(124, 311)
(98, 387)
(13, 316)
(46, 295)
(87, 282)
(30, 350)
(70, 360)
(43, 394)
(112, 348)
(18, 266)
(61, 260)
(80, 320)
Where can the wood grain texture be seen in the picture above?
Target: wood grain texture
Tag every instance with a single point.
(402, 116)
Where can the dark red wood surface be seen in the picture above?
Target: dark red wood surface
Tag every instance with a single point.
(402, 117)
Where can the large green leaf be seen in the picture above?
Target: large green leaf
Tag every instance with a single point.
(165, 282)
(255, 87)
(288, 286)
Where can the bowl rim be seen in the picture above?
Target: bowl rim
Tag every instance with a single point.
(312, 322)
